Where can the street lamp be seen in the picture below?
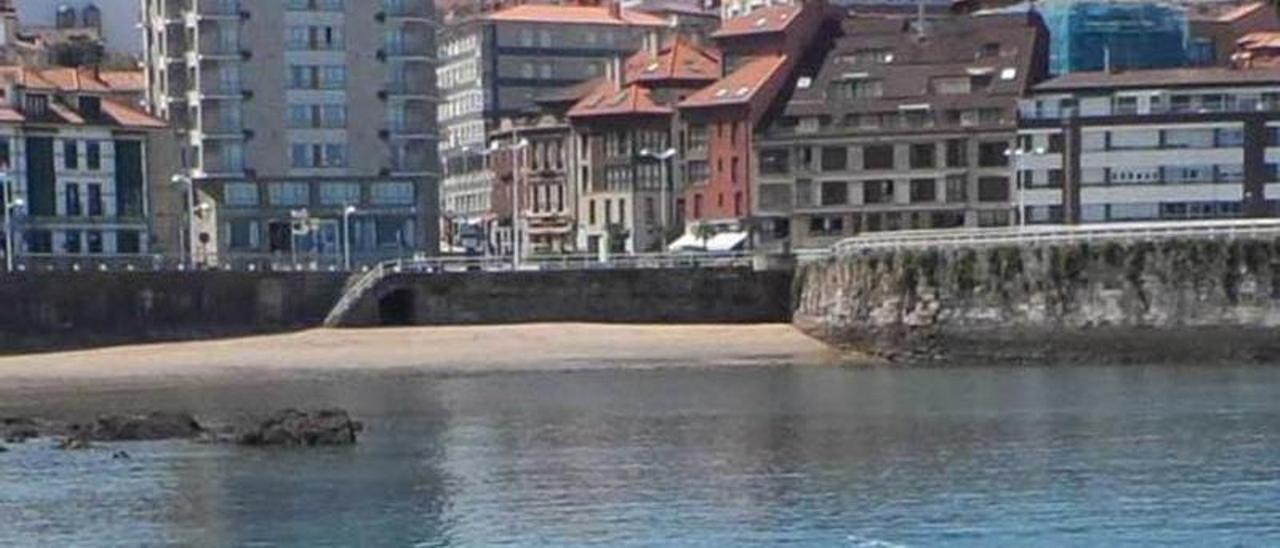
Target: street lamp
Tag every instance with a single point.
(668, 158)
(188, 243)
(11, 204)
(515, 195)
(346, 236)
(1018, 155)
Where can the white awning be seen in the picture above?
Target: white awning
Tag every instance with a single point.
(727, 241)
(687, 242)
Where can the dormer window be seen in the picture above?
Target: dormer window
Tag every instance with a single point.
(989, 49)
(90, 107)
(37, 105)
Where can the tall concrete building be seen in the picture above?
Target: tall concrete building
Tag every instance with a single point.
(296, 111)
(495, 65)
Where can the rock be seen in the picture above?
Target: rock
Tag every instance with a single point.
(74, 443)
(121, 455)
(18, 430)
(294, 428)
(150, 427)
(4, 449)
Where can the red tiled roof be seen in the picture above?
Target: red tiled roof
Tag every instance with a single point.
(681, 60)
(609, 100)
(740, 86)
(130, 117)
(10, 114)
(124, 80)
(761, 21)
(583, 15)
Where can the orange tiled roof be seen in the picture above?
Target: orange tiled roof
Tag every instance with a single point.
(764, 20)
(609, 100)
(584, 15)
(124, 80)
(130, 117)
(10, 114)
(740, 86)
(1267, 39)
(78, 80)
(681, 60)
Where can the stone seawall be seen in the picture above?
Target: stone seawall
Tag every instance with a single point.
(614, 296)
(1168, 301)
(58, 310)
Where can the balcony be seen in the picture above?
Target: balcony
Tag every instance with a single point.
(216, 9)
(406, 12)
(221, 91)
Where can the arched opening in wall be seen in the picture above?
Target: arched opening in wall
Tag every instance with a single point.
(396, 308)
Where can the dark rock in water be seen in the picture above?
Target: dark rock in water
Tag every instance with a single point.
(153, 426)
(18, 430)
(73, 443)
(121, 455)
(4, 449)
(294, 428)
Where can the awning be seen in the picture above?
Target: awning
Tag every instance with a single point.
(727, 241)
(687, 242)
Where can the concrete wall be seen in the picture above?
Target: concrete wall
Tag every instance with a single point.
(620, 296)
(1174, 301)
(67, 310)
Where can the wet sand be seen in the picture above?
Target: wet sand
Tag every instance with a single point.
(428, 350)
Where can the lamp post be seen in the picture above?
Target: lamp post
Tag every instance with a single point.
(667, 157)
(188, 242)
(516, 167)
(10, 205)
(1018, 155)
(346, 236)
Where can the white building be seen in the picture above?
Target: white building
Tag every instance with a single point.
(1151, 145)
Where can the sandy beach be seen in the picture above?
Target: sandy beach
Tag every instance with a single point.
(443, 350)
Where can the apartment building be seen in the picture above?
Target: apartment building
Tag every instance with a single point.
(627, 157)
(1151, 145)
(900, 128)
(81, 165)
(495, 65)
(297, 110)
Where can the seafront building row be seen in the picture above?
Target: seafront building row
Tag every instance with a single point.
(330, 133)
(795, 124)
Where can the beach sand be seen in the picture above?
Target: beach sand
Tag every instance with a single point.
(442, 350)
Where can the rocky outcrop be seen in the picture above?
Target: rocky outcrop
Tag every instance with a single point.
(18, 429)
(1144, 301)
(149, 427)
(294, 428)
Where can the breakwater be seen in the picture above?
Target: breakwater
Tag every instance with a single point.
(1174, 300)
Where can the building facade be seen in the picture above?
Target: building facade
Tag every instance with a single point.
(81, 165)
(899, 130)
(495, 65)
(1152, 145)
(295, 111)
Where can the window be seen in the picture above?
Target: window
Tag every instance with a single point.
(957, 189)
(877, 192)
(243, 233)
(393, 194)
(857, 89)
(922, 155)
(835, 193)
(877, 157)
(957, 153)
(992, 154)
(5, 153)
(128, 242)
(289, 194)
(1124, 105)
(775, 161)
(94, 240)
(70, 155)
(835, 159)
(339, 194)
(72, 199)
(240, 194)
(989, 49)
(924, 191)
(1056, 143)
(1132, 139)
(1228, 138)
(879, 56)
(93, 155)
(94, 191)
(993, 189)
(71, 242)
(826, 225)
(951, 85)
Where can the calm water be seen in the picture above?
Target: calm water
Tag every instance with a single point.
(800, 456)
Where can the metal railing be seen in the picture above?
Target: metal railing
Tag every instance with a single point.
(569, 262)
(1051, 234)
